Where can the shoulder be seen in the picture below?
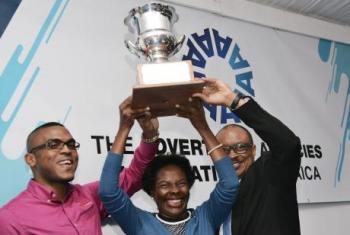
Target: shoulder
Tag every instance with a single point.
(18, 202)
(259, 167)
(89, 190)
(88, 186)
(5, 213)
(264, 159)
(8, 217)
(11, 223)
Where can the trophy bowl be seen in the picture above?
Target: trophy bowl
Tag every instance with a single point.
(153, 25)
(160, 84)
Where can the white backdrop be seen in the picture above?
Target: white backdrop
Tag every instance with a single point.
(71, 66)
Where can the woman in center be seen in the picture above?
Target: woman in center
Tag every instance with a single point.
(168, 180)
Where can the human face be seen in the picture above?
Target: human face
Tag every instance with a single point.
(235, 135)
(52, 166)
(171, 193)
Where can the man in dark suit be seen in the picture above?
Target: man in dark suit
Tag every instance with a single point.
(267, 199)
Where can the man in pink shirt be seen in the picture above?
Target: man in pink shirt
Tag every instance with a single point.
(50, 204)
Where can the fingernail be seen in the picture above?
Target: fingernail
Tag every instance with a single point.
(190, 99)
(148, 108)
(177, 106)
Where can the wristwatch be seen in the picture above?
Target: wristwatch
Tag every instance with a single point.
(238, 97)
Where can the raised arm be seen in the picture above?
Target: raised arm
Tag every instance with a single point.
(115, 200)
(280, 139)
(282, 142)
(130, 178)
(195, 113)
(218, 207)
(109, 182)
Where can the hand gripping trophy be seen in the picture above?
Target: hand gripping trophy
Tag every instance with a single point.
(161, 84)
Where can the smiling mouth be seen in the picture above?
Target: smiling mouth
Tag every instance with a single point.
(65, 162)
(175, 202)
(236, 165)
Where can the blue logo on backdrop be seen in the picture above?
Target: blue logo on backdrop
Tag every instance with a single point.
(10, 78)
(220, 46)
(340, 61)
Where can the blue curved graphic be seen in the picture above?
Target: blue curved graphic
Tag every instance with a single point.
(340, 61)
(10, 79)
(242, 74)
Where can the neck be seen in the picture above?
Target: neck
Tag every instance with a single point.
(59, 188)
(184, 216)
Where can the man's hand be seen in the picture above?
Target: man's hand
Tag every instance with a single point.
(216, 92)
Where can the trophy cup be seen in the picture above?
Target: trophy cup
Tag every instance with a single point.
(161, 84)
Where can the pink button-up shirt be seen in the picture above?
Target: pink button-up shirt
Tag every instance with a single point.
(37, 210)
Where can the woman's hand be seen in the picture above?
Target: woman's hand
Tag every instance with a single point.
(127, 117)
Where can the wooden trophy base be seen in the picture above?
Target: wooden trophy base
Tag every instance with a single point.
(162, 86)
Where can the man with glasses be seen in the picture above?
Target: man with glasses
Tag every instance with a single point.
(50, 204)
(267, 201)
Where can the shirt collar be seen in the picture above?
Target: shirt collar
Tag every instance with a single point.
(45, 193)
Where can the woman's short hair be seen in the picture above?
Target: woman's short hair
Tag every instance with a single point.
(161, 161)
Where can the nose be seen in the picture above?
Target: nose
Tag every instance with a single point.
(174, 188)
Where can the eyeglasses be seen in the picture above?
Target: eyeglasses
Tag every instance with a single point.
(237, 148)
(57, 144)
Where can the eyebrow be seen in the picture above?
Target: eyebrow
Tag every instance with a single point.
(167, 181)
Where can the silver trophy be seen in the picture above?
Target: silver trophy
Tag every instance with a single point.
(153, 24)
(161, 84)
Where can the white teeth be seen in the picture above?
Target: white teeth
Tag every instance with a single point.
(174, 202)
(65, 162)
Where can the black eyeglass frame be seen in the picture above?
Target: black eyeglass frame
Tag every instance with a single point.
(237, 148)
(56, 144)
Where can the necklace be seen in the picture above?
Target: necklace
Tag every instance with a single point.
(176, 222)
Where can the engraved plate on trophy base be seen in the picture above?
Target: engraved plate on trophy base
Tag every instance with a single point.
(161, 86)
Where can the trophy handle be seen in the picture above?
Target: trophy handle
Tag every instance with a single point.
(178, 45)
(133, 48)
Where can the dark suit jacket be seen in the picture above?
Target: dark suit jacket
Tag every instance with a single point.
(267, 199)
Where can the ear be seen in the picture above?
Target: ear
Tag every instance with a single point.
(30, 159)
(254, 151)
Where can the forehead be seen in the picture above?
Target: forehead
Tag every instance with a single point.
(170, 173)
(233, 135)
(52, 132)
